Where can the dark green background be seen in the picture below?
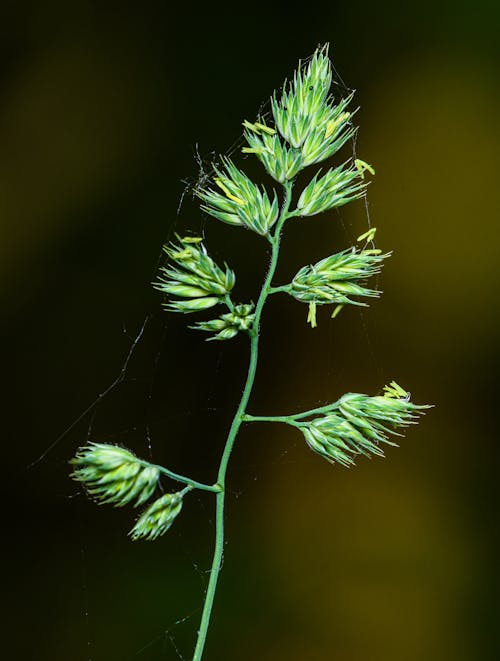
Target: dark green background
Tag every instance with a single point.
(101, 107)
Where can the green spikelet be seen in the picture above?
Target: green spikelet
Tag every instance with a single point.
(336, 279)
(359, 424)
(310, 125)
(281, 162)
(114, 475)
(241, 202)
(230, 324)
(334, 189)
(158, 517)
(193, 277)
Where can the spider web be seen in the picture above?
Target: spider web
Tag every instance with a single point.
(87, 418)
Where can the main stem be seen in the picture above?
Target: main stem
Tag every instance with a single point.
(234, 429)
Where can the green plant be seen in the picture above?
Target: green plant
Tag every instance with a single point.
(309, 127)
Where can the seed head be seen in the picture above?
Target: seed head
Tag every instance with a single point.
(296, 114)
(193, 277)
(158, 517)
(239, 201)
(360, 424)
(334, 189)
(114, 475)
(336, 278)
(310, 125)
(281, 162)
(229, 325)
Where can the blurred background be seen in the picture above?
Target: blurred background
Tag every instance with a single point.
(103, 109)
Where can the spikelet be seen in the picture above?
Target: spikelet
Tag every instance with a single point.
(193, 277)
(230, 324)
(239, 201)
(334, 189)
(310, 126)
(336, 279)
(114, 475)
(158, 517)
(360, 424)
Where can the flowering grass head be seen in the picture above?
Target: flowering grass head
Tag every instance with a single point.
(306, 126)
(111, 474)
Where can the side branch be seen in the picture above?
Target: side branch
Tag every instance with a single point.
(292, 419)
(215, 488)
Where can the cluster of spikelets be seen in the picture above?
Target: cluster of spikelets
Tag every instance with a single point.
(337, 187)
(193, 277)
(359, 424)
(158, 518)
(230, 324)
(115, 475)
(309, 126)
(198, 284)
(243, 203)
(335, 278)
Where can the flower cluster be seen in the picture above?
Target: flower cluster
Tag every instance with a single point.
(114, 475)
(311, 124)
(334, 189)
(280, 161)
(335, 279)
(306, 126)
(359, 424)
(230, 324)
(241, 201)
(194, 277)
(158, 517)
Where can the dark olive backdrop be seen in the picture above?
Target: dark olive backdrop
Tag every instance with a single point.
(101, 109)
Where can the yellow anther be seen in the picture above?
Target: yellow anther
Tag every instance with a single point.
(362, 167)
(182, 254)
(221, 185)
(228, 193)
(311, 316)
(368, 236)
(251, 127)
(372, 251)
(395, 391)
(238, 200)
(266, 129)
(333, 124)
(192, 239)
(337, 311)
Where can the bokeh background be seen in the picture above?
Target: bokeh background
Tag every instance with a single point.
(103, 108)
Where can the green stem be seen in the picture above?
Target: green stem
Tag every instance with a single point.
(319, 410)
(234, 429)
(181, 478)
(289, 419)
(229, 302)
(283, 288)
(286, 419)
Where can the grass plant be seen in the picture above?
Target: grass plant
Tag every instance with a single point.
(307, 125)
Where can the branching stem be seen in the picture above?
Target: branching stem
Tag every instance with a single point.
(181, 478)
(292, 419)
(235, 426)
(276, 290)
